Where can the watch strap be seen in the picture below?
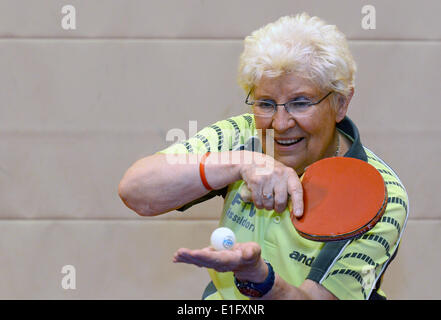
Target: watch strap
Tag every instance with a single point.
(256, 290)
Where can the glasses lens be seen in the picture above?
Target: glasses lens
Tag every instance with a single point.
(263, 108)
(299, 107)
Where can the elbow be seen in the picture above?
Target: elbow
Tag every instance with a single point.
(130, 194)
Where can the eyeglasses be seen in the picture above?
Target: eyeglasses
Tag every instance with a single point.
(267, 108)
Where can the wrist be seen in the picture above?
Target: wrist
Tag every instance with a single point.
(222, 168)
(257, 289)
(237, 160)
(257, 274)
(247, 159)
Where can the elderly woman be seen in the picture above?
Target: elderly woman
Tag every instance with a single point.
(298, 75)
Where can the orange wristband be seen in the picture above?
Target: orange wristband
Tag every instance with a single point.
(202, 171)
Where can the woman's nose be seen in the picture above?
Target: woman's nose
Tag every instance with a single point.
(282, 120)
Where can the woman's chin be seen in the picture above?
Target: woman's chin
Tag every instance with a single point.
(290, 161)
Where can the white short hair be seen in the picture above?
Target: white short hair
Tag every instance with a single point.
(300, 44)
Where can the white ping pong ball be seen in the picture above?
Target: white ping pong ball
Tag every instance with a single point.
(223, 239)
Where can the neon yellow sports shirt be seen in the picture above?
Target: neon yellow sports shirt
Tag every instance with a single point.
(350, 269)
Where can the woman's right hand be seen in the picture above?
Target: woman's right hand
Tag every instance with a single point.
(271, 184)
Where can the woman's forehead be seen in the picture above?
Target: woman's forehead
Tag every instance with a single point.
(284, 84)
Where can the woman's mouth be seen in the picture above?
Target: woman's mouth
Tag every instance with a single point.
(288, 142)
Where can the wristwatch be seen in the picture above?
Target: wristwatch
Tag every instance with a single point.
(256, 290)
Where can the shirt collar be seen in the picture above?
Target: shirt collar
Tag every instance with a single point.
(347, 127)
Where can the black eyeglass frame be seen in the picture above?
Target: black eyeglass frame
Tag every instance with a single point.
(251, 103)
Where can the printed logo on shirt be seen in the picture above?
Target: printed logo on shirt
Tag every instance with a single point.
(243, 205)
(236, 213)
(302, 258)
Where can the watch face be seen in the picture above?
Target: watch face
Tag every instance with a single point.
(250, 292)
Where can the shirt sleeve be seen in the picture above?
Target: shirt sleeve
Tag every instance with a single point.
(225, 135)
(356, 266)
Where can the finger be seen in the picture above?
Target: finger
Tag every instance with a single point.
(221, 261)
(200, 258)
(184, 258)
(295, 190)
(250, 251)
(182, 255)
(245, 194)
(178, 254)
(268, 196)
(280, 197)
(196, 262)
(210, 258)
(256, 194)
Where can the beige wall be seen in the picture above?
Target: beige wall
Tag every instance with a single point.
(78, 107)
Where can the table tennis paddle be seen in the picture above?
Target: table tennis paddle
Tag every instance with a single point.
(343, 198)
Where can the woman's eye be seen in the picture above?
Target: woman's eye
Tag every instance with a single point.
(301, 99)
(298, 105)
(300, 102)
(265, 104)
(303, 103)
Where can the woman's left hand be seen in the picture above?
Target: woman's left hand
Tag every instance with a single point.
(243, 259)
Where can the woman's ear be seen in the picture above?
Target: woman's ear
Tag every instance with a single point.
(342, 106)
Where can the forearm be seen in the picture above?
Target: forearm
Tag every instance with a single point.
(155, 185)
(282, 290)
